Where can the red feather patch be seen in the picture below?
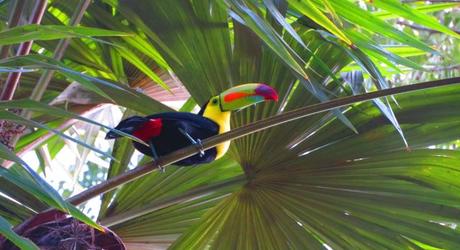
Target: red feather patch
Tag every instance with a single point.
(149, 129)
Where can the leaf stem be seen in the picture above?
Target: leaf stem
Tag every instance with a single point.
(250, 129)
(24, 48)
(13, 21)
(59, 51)
(47, 75)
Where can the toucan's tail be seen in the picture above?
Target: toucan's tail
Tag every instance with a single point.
(128, 126)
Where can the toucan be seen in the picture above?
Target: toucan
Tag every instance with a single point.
(170, 131)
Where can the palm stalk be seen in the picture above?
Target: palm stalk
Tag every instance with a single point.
(47, 74)
(250, 129)
(59, 51)
(10, 131)
(13, 21)
(24, 48)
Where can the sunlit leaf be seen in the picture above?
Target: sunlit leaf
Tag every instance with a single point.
(310, 183)
(403, 10)
(307, 8)
(366, 20)
(50, 32)
(426, 8)
(26, 178)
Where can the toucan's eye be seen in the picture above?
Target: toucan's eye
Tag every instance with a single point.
(214, 101)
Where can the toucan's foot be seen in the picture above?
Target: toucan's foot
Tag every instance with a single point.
(200, 147)
(155, 157)
(161, 168)
(196, 142)
(158, 165)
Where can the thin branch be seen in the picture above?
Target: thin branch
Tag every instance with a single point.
(59, 51)
(24, 48)
(249, 129)
(47, 75)
(13, 21)
(156, 205)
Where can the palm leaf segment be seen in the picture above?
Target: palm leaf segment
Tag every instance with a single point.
(312, 182)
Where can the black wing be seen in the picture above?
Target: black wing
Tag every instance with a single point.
(171, 139)
(188, 119)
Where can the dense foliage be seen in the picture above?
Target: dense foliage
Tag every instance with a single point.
(381, 174)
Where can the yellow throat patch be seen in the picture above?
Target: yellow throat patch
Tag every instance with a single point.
(222, 118)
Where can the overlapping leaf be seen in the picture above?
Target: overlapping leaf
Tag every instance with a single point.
(405, 11)
(289, 199)
(320, 184)
(424, 8)
(50, 32)
(21, 242)
(26, 179)
(362, 188)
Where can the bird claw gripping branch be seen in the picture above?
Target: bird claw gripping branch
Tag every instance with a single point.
(200, 147)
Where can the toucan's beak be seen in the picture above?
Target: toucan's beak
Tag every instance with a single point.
(245, 95)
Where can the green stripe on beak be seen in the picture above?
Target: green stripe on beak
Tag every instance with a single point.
(245, 95)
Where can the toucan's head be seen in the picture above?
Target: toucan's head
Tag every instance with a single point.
(239, 97)
(218, 107)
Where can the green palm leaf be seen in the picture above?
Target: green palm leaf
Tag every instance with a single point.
(310, 183)
(402, 10)
(51, 32)
(23, 243)
(321, 180)
(370, 197)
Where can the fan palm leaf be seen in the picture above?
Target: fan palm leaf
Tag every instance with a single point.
(332, 187)
(341, 179)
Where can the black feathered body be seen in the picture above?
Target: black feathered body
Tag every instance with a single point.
(163, 131)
